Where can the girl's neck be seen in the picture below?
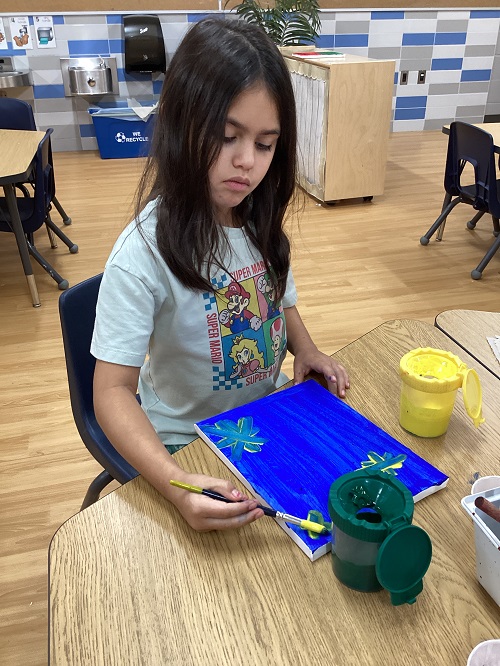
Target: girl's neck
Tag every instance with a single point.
(227, 219)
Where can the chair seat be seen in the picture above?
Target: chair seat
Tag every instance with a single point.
(26, 207)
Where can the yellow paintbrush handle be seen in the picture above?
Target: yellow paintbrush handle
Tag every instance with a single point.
(312, 527)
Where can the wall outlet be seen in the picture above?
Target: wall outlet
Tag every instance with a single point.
(403, 77)
(421, 76)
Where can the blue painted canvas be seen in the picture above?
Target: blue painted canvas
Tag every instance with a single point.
(289, 447)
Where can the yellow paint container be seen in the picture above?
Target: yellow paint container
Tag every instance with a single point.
(430, 381)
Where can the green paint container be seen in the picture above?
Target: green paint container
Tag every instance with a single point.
(374, 544)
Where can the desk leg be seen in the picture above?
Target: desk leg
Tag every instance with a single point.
(17, 228)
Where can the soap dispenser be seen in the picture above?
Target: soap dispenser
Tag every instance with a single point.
(144, 45)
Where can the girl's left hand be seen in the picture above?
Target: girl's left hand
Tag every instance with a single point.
(334, 373)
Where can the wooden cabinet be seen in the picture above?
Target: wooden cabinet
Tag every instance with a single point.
(343, 114)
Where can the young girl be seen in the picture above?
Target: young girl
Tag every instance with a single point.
(183, 284)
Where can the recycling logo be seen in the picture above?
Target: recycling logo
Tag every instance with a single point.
(120, 137)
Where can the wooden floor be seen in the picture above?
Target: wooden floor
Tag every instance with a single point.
(356, 265)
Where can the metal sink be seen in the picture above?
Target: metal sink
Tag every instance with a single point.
(12, 78)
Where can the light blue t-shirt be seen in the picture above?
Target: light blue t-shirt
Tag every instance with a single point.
(200, 353)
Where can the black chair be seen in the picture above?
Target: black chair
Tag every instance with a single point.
(34, 210)
(17, 114)
(77, 308)
(471, 145)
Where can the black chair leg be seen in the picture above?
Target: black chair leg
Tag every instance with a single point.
(424, 240)
(73, 248)
(96, 488)
(61, 282)
(476, 274)
(67, 220)
(471, 224)
(496, 226)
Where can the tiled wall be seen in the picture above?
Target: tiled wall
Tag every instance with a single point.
(458, 49)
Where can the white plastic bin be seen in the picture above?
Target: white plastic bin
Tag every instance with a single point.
(487, 537)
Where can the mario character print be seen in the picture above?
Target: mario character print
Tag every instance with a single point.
(246, 328)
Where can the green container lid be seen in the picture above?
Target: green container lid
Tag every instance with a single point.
(373, 507)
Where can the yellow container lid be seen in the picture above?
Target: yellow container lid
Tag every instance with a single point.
(437, 371)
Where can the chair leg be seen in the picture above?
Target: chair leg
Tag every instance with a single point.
(73, 248)
(52, 238)
(424, 240)
(95, 488)
(471, 224)
(478, 271)
(61, 282)
(67, 220)
(496, 226)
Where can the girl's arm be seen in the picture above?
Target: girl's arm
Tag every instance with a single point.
(132, 434)
(308, 357)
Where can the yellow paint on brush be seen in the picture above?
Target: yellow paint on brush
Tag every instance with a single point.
(312, 527)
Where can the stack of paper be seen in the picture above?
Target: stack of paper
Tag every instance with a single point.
(495, 345)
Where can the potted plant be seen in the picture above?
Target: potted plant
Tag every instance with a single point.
(288, 22)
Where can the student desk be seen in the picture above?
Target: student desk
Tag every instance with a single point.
(17, 151)
(131, 583)
(491, 128)
(469, 329)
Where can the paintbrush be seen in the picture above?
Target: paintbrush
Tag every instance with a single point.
(304, 524)
(488, 507)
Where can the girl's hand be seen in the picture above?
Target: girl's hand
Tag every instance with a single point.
(312, 359)
(204, 514)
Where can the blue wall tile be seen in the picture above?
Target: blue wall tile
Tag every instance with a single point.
(88, 47)
(325, 41)
(116, 45)
(383, 16)
(446, 63)
(412, 102)
(396, 77)
(351, 40)
(9, 51)
(409, 114)
(194, 18)
(48, 91)
(58, 20)
(450, 38)
(113, 18)
(87, 130)
(476, 75)
(485, 13)
(418, 38)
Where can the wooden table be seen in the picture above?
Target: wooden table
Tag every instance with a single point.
(131, 583)
(17, 150)
(469, 329)
(491, 128)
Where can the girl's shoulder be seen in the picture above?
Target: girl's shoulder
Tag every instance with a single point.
(139, 235)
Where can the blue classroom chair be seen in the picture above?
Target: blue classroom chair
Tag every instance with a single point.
(77, 308)
(471, 145)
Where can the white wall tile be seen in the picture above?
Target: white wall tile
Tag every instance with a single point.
(440, 112)
(47, 77)
(453, 15)
(443, 76)
(408, 125)
(481, 38)
(420, 25)
(434, 101)
(485, 25)
(384, 39)
(478, 63)
(472, 99)
(448, 51)
(395, 26)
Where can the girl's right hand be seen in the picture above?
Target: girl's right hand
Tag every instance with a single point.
(204, 514)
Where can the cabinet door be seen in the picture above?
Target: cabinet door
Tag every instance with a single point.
(358, 126)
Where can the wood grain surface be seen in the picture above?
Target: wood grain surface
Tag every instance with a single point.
(470, 330)
(131, 583)
(17, 148)
(356, 265)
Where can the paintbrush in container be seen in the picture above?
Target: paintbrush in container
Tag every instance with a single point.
(308, 525)
(488, 507)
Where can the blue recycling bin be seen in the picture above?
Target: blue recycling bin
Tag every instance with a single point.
(120, 132)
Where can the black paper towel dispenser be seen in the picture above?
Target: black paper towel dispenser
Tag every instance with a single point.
(144, 45)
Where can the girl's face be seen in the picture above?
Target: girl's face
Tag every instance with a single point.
(251, 134)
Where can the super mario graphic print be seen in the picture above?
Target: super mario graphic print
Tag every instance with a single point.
(245, 326)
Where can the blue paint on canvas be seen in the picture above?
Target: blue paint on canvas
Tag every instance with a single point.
(290, 446)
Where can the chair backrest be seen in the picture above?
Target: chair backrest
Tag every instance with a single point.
(470, 144)
(33, 210)
(16, 114)
(77, 308)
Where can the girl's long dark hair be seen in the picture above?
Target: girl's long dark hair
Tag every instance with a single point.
(216, 61)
